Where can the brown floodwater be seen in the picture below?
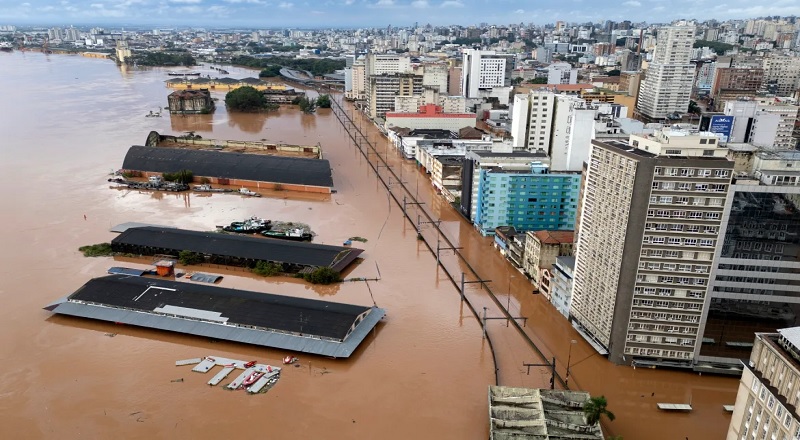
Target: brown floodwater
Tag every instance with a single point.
(67, 121)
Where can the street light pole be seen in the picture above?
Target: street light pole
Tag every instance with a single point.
(569, 359)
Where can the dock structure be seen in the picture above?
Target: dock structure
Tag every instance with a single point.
(304, 325)
(240, 378)
(219, 377)
(234, 250)
(230, 168)
(674, 407)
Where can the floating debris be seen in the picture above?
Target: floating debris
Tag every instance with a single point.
(357, 238)
(256, 378)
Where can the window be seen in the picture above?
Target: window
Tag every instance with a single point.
(707, 243)
(665, 199)
(674, 152)
(690, 242)
(703, 141)
(712, 215)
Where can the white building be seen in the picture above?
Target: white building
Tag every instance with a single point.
(667, 86)
(431, 117)
(561, 284)
(573, 131)
(483, 69)
(561, 73)
(532, 120)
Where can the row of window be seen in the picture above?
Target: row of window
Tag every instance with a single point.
(695, 215)
(697, 294)
(686, 186)
(661, 316)
(687, 172)
(672, 267)
(679, 227)
(677, 241)
(696, 201)
(663, 328)
(666, 304)
(656, 352)
(654, 339)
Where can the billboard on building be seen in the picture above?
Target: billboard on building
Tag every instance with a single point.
(721, 125)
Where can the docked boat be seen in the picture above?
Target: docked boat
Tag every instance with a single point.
(249, 226)
(251, 379)
(289, 234)
(183, 74)
(247, 192)
(205, 187)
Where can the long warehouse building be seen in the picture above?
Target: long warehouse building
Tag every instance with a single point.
(264, 319)
(234, 250)
(230, 168)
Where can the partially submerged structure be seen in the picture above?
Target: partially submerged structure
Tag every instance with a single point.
(276, 321)
(230, 168)
(234, 250)
(155, 139)
(539, 414)
(190, 101)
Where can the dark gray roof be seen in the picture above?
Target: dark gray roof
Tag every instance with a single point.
(306, 325)
(238, 246)
(230, 165)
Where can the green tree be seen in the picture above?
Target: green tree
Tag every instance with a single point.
(307, 105)
(537, 81)
(188, 258)
(323, 275)
(594, 408)
(246, 99)
(267, 269)
(516, 81)
(694, 108)
(717, 46)
(324, 101)
(614, 72)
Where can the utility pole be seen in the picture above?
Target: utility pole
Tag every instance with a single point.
(486, 318)
(470, 282)
(552, 371)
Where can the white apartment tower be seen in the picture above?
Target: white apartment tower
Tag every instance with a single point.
(648, 230)
(667, 86)
(484, 69)
(532, 120)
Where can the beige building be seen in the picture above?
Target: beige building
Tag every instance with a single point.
(384, 88)
(769, 390)
(782, 73)
(649, 225)
(541, 250)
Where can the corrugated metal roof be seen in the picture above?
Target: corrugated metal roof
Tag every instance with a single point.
(239, 246)
(231, 165)
(226, 332)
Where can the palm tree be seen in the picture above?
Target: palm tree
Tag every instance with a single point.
(594, 408)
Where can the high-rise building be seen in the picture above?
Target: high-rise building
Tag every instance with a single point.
(649, 224)
(667, 86)
(484, 69)
(754, 281)
(561, 73)
(769, 390)
(730, 83)
(532, 120)
(781, 74)
(384, 88)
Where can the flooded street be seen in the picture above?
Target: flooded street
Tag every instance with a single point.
(67, 122)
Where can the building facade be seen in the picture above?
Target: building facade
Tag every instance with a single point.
(561, 284)
(542, 248)
(667, 86)
(484, 69)
(527, 198)
(769, 390)
(649, 224)
(385, 87)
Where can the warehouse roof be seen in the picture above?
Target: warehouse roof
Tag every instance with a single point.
(238, 246)
(230, 165)
(311, 326)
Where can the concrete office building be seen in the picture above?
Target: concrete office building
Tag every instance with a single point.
(667, 85)
(755, 281)
(532, 120)
(384, 88)
(484, 70)
(561, 73)
(769, 390)
(732, 83)
(781, 74)
(649, 224)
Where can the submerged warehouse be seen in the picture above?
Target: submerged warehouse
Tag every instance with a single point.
(234, 250)
(231, 168)
(264, 319)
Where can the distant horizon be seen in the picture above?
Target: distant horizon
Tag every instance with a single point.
(355, 14)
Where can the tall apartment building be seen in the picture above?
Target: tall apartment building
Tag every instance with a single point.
(667, 86)
(532, 120)
(356, 74)
(769, 390)
(384, 88)
(756, 271)
(434, 75)
(383, 64)
(561, 73)
(781, 74)
(484, 69)
(649, 224)
(561, 125)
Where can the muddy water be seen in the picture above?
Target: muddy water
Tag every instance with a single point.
(66, 122)
(632, 393)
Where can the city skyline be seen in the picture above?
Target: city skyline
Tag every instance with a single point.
(369, 13)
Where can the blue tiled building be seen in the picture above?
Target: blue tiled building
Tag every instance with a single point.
(528, 198)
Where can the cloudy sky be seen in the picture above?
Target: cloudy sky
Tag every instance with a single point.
(357, 13)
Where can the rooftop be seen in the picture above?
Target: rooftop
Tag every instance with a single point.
(238, 246)
(231, 165)
(538, 414)
(555, 237)
(265, 319)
